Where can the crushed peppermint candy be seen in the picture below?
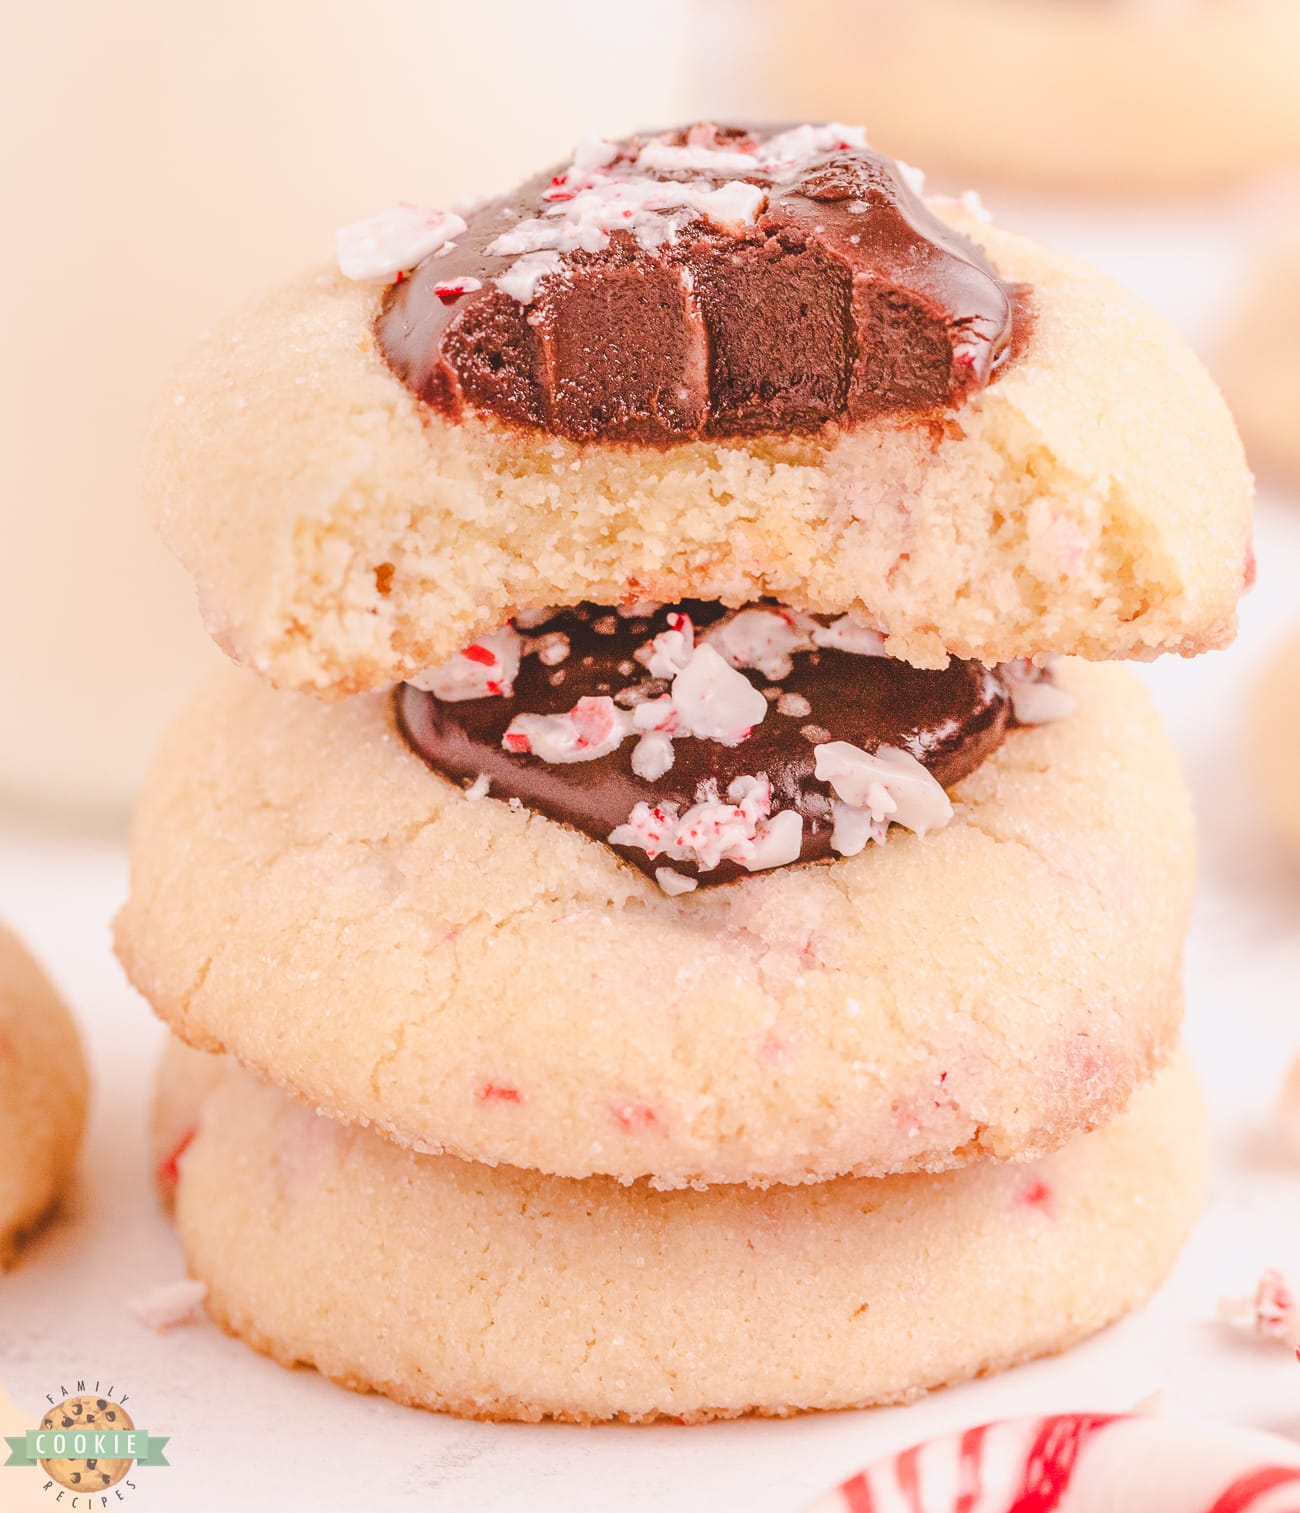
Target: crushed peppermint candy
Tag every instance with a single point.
(550, 649)
(1271, 1313)
(888, 785)
(708, 699)
(1035, 698)
(766, 639)
(170, 1305)
(478, 789)
(592, 728)
(486, 668)
(715, 701)
(739, 829)
(393, 240)
(653, 192)
(672, 710)
(451, 289)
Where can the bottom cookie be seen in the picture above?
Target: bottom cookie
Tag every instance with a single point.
(43, 1089)
(501, 1293)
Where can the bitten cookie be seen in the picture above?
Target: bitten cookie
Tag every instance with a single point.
(1127, 96)
(475, 977)
(712, 363)
(43, 1090)
(507, 1294)
(1260, 362)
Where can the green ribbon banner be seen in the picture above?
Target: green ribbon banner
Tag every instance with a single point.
(81, 1444)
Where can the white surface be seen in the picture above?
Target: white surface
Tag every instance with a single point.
(244, 1432)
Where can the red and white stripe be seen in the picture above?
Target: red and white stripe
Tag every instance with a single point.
(1081, 1463)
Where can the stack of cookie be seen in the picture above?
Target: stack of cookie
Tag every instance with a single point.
(734, 969)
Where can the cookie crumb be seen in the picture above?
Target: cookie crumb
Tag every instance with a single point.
(169, 1306)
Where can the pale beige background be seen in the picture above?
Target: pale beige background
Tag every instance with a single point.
(160, 161)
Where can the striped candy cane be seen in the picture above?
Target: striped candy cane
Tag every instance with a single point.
(1081, 1463)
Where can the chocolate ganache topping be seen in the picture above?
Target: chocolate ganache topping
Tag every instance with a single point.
(706, 281)
(706, 744)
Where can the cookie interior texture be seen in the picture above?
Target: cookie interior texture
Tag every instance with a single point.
(501, 1293)
(1082, 492)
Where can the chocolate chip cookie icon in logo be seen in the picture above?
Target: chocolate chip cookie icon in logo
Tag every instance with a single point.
(92, 1417)
(87, 1444)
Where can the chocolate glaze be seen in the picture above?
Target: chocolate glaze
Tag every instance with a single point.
(950, 720)
(845, 300)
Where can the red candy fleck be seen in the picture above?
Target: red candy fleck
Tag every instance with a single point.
(494, 1092)
(168, 1173)
(1035, 1194)
(516, 740)
(634, 1116)
(479, 654)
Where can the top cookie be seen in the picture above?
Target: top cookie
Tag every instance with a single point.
(718, 363)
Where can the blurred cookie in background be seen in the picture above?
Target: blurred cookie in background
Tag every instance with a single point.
(1259, 363)
(1273, 738)
(1110, 96)
(43, 1088)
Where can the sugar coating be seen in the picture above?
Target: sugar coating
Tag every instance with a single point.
(1211, 82)
(1092, 500)
(982, 991)
(43, 1090)
(690, 1305)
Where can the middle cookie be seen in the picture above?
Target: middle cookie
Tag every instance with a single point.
(481, 978)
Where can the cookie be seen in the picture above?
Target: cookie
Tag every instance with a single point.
(178, 1093)
(474, 977)
(43, 1090)
(849, 399)
(1272, 728)
(1113, 96)
(500, 1293)
(1260, 362)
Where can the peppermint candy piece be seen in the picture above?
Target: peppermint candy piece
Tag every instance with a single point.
(487, 668)
(740, 829)
(714, 701)
(888, 786)
(389, 242)
(1081, 1463)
